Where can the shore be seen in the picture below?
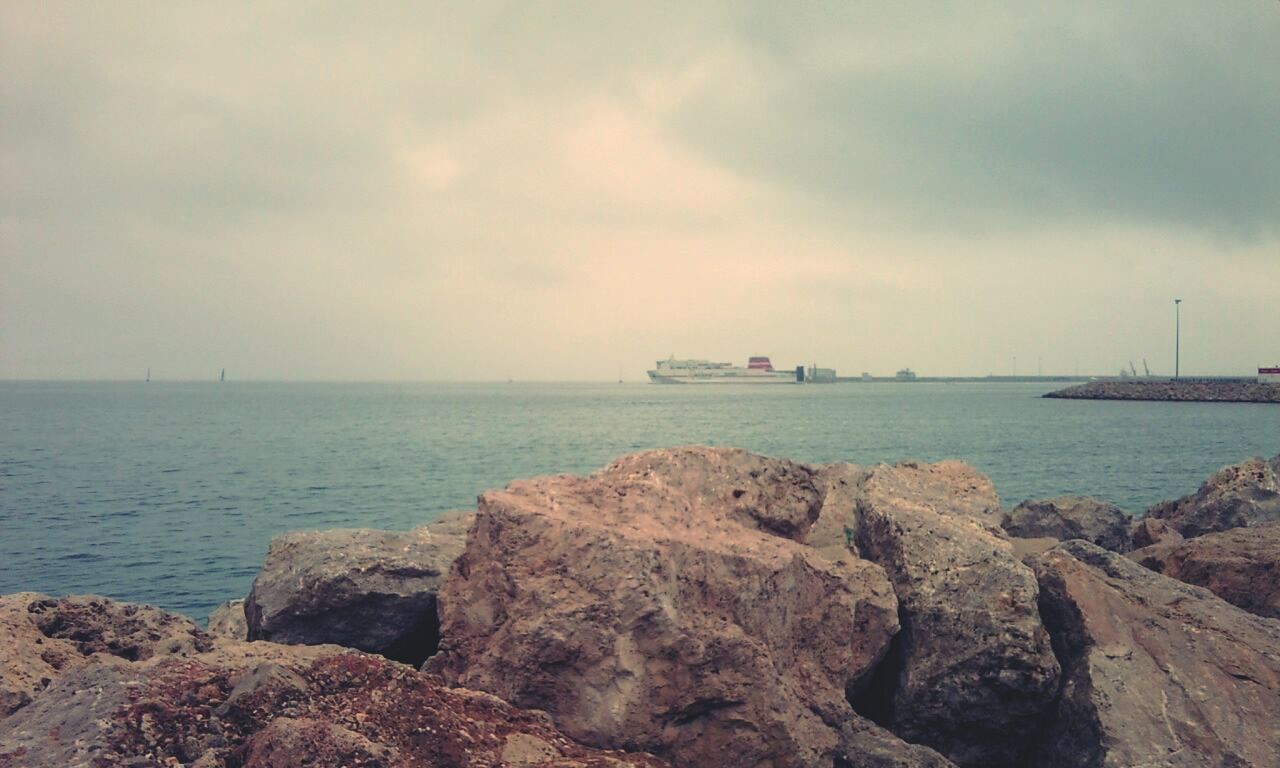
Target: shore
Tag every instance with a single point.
(697, 608)
(1170, 390)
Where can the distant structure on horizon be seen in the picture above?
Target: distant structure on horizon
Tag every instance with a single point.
(1269, 375)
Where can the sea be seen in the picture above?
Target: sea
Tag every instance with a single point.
(169, 493)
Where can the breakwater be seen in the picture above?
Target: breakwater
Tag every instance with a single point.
(1184, 390)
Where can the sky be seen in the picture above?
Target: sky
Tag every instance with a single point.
(571, 191)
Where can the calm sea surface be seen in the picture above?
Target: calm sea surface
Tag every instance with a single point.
(170, 493)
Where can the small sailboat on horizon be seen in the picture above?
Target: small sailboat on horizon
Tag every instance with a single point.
(222, 376)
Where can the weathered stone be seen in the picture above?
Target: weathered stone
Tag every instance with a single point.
(42, 638)
(1070, 517)
(1156, 672)
(370, 590)
(310, 705)
(972, 672)
(1152, 530)
(1238, 496)
(1242, 565)
(228, 620)
(665, 603)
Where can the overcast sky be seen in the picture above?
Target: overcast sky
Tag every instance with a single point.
(568, 191)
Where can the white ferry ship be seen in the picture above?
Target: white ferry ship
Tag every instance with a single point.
(758, 371)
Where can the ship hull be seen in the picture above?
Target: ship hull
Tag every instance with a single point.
(729, 378)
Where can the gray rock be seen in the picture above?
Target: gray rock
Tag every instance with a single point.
(972, 672)
(1156, 672)
(1242, 495)
(228, 620)
(1071, 517)
(365, 589)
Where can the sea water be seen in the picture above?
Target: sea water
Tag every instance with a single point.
(169, 493)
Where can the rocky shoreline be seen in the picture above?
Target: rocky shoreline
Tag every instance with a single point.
(1185, 390)
(697, 607)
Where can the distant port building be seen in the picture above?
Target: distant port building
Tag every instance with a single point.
(1269, 375)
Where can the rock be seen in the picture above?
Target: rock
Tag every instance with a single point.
(1238, 496)
(1151, 530)
(666, 603)
(1242, 565)
(972, 672)
(307, 705)
(228, 620)
(42, 638)
(370, 590)
(1156, 672)
(29, 660)
(1071, 517)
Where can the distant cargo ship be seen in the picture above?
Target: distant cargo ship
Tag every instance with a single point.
(758, 371)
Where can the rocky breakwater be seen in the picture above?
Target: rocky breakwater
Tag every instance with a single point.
(1182, 390)
(108, 684)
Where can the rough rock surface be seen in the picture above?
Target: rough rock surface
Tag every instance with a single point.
(1155, 672)
(228, 620)
(370, 590)
(1071, 517)
(1238, 496)
(43, 637)
(666, 604)
(1151, 530)
(263, 705)
(973, 671)
(1242, 566)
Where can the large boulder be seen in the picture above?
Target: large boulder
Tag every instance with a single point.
(1242, 565)
(666, 604)
(1070, 517)
(263, 705)
(370, 590)
(1156, 672)
(1238, 496)
(973, 671)
(42, 637)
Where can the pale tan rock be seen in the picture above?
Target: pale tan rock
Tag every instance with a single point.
(1242, 565)
(228, 620)
(667, 602)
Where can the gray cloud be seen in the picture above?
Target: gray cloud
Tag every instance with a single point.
(1154, 112)
(552, 190)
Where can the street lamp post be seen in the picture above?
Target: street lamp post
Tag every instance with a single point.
(1177, 336)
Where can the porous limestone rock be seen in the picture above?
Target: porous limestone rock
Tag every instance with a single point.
(1071, 517)
(972, 672)
(666, 603)
(1241, 495)
(228, 620)
(1242, 565)
(43, 637)
(370, 590)
(263, 705)
(1156, 672)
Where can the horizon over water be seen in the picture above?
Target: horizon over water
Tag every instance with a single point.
(169, 492)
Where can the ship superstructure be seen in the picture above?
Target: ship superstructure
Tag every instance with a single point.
(759, 370)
